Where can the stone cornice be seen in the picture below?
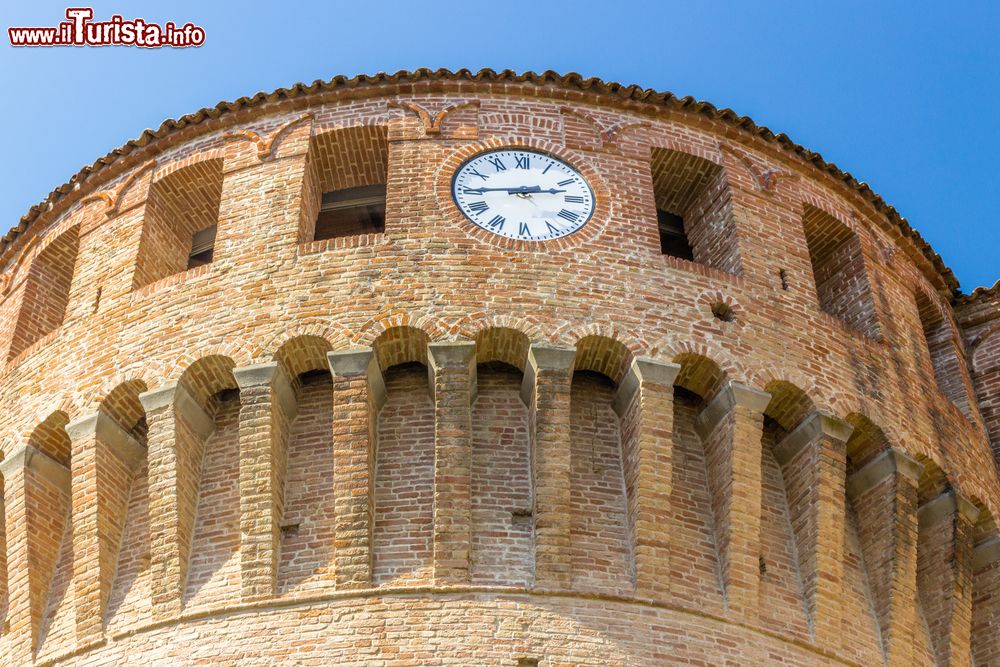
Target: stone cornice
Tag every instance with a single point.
(183, 403)
(270, 375)
(887, 463)
(729, 397)
(643, 371)
(29, 458)
(546, 358)
(812, 427)
(360, 362)
(100, 425)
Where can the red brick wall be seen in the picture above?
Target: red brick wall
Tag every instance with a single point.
(46, 291)
(839, 271)
(404, 480)
(599, 533)
(308, 530)
(843, 332)
(986, 365)
(781, 595)
(129, 603)
(213, 569)
(694, 559)
(502, 528)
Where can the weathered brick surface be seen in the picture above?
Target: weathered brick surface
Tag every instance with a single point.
(502, 539)
(373, 499)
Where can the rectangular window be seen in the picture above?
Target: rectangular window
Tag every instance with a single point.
(694, 210)
(351, 212)
(202, 247)
(945, 352)
(673, 240)
(839, 271)
(46, 291)
(181, 214)
(343, 192)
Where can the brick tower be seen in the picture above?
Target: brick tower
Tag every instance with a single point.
(280, 387)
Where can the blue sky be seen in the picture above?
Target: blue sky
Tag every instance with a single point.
(902, 94)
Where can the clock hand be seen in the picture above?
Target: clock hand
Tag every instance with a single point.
(519, 190)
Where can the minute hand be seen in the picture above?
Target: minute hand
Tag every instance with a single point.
(520, 190)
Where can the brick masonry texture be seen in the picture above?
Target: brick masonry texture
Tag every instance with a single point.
(433, 446)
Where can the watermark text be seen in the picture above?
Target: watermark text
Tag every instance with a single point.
(80, 30)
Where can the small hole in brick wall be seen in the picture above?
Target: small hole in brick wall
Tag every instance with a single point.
(762, 564)
(290, 529)
(97, 299)
(527, 662)
(723, 312)
(784, 279)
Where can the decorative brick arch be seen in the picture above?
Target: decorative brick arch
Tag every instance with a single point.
(699, 374)
(50, 437)
(686, 351)
(401, 344)
(236, 352)
(571, 333)
(168, 168)
(472, 324)
(122, 403)
(867, 440)
(933, 480)
(985, 350)
(986, 527)
(303, 353)
(782, 374)
(337, 336)
(789, 404)
(207, 376)
(603, 354)
(434, 327)
(267, 145)
(505, 344)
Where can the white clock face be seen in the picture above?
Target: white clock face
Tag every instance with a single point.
(523, 194)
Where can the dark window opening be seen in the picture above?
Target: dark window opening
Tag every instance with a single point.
(351, 212)
(673, 240)
(315, 376)
(202, 247)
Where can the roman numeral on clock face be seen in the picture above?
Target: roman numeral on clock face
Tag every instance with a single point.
(522, 162)
(478, 206)
(523, 230)
(569, 215)
(574, 199)
(497, 164)
(476, 173)
(497, 222)
(568, 181)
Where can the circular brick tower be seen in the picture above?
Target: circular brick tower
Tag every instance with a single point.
(491, 369)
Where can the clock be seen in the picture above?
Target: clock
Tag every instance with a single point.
(523, 194)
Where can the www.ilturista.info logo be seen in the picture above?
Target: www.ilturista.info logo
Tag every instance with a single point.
(79, 30)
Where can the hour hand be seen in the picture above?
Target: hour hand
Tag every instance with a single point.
(519, 190)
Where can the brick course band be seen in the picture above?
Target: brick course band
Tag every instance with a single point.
(411, 442)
